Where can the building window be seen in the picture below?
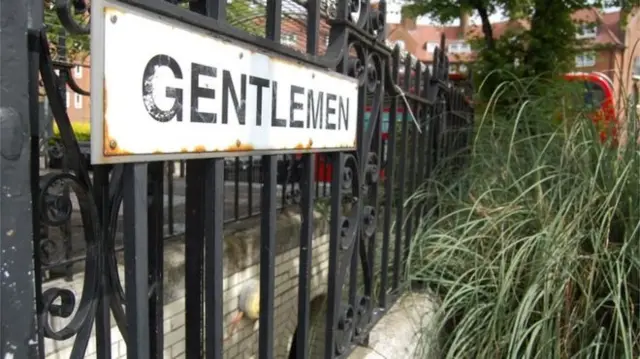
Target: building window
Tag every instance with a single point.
(587, 31)
(587, 59)
(459, 47)
(431, 46)
(77, 72)
(289, 39)
(636, 66)
(77, 101)
(66, 97)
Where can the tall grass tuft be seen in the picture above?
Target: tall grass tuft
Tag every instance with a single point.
(533, 251)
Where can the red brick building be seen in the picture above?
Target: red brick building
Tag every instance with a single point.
(609, 44)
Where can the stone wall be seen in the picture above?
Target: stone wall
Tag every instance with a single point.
(241, 265)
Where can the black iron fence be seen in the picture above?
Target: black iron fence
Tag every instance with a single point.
(410, 120)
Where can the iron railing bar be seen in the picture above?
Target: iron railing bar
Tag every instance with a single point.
(389, 172)
(268, 217)
(156, 257)
(334, 292)
(397, 257)
(194, 256)
(170, 215)
(103, 317)
(306, 248)
(250, 186)
(307, 204)
(408, 235)
(213, 232)
(236, 189)
(267, 257)
(136, 261)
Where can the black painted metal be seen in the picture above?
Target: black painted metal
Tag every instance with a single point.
(370, 230)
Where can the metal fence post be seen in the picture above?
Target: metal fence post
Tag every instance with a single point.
(17, 304)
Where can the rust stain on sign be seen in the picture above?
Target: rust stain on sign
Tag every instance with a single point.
(239, 146)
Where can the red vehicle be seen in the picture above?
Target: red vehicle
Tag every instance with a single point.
(599, 99)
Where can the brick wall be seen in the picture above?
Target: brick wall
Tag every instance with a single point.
(241, 264)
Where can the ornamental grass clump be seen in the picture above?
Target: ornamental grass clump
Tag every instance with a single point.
(534, 250)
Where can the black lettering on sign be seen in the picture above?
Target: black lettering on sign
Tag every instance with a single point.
(275, 121)
(295, 90)
(171, 92)
(259, 83)
(330, 111)
(314, 113)
(198, 92)
(229, 89)
(343, 113)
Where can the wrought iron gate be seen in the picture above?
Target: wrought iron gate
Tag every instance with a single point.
(427, 120)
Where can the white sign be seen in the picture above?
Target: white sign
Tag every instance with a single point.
(162, 90)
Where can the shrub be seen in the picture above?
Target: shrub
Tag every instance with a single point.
(535, 249)
(82, 130)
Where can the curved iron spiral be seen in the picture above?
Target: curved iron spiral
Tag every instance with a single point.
(56, 209)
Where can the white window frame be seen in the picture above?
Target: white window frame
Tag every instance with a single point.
(289, 39)
(67, 97)
(77, 101)
(586, 59)
(431, 46)
(77, 72)
(587, 31)
(636, 66)
(459, 47)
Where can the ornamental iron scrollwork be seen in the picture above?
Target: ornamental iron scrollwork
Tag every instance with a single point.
(358, 49)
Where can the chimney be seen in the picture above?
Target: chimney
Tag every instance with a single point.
(408, 23)
(464, 23)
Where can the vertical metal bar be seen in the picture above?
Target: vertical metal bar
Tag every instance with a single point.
(267, 256)
(213, 215)
(335, 227)
(423, 117)
(408, 235)
(103, 318)
(155, 222)
(274, 12)
(307, 201)
(17, 311)
(236, 189)
(268, 218)
(250, 186)
(170, 177)
(304, 275)
(401, 180)
(195, 231)
(389, 172)
(194, 256)
(135, 259)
